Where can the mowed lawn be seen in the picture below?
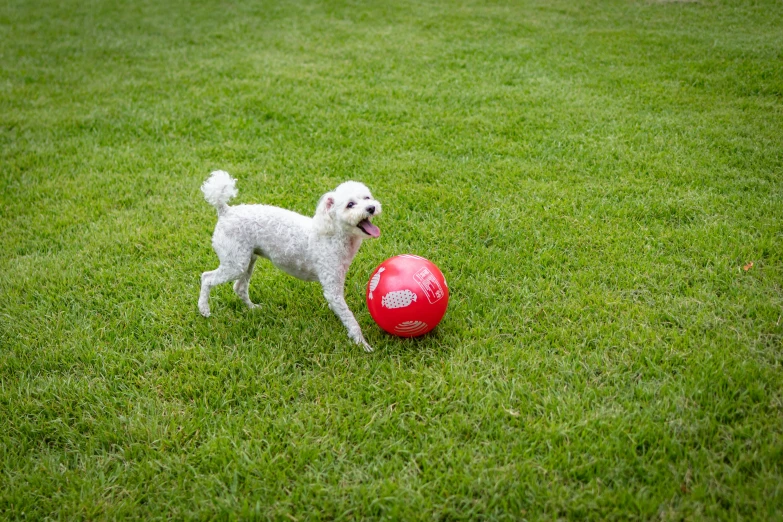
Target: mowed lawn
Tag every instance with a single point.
(600, 182)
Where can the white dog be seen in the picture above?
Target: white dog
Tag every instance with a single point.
(314, 249)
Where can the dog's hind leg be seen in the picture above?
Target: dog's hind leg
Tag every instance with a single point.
(226, 272)
(242, 284)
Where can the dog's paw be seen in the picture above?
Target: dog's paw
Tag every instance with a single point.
(357, 337)
(204, 310)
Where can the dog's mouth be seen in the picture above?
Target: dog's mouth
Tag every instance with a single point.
(368, 228)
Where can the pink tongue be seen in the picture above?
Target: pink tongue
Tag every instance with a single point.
(371, 229)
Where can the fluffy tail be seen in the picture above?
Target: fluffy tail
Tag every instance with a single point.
(218, 189)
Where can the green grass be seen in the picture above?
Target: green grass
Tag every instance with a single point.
(590, 176)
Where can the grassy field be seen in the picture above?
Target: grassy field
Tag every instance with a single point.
(593, 178)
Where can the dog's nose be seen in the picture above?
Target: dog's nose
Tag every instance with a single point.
(371, 209)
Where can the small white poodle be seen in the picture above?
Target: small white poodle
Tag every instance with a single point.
(320, 248)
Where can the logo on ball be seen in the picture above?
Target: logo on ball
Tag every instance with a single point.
(429, 284)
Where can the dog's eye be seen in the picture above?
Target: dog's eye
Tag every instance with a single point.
(350, 205)
(366, 197)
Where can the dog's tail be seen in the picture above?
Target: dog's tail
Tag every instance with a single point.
(218, 189)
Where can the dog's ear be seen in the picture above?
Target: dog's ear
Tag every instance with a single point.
(323, 221)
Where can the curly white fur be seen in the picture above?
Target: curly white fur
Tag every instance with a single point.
(320, 248)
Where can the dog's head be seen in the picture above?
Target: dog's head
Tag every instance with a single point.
(348, 210)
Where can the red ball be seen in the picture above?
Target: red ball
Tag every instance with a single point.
(407, 295)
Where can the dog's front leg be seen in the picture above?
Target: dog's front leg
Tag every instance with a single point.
(335, 296)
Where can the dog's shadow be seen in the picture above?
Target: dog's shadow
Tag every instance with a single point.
(294, 316)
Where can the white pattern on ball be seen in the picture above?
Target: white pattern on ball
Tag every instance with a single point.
(375, 280)
(398, 299)
(411, 327)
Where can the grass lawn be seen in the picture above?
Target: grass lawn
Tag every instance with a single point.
(593, 178)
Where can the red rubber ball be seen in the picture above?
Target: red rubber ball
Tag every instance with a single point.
(407, 295)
